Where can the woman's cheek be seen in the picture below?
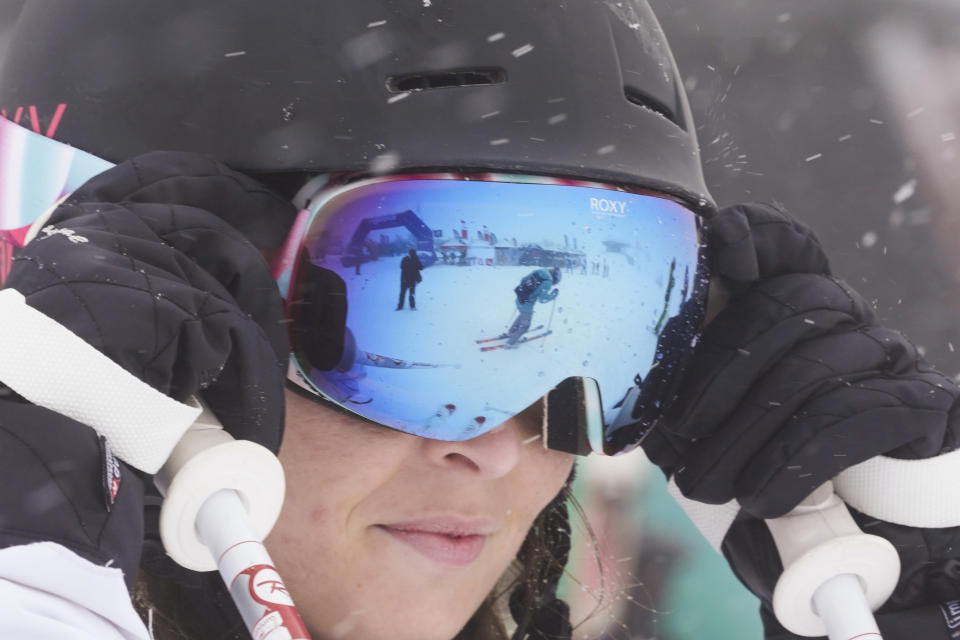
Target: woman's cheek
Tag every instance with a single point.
(544, 476)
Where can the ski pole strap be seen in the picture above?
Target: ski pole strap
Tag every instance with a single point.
(713, 520)
(52, 367)
(913, 493)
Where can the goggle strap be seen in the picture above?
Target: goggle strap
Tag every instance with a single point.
(569, 409)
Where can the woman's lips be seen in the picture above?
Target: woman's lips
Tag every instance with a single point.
(453, 543)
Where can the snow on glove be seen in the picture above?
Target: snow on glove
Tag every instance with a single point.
(791, 383)
(145, 263)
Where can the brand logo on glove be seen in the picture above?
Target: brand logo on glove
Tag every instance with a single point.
(111, 474)
(70, 234)
(951, 615)
(602, 208)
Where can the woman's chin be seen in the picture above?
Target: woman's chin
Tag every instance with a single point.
(373, 625)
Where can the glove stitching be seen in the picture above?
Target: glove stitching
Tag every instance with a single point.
(734, 352)
(922, 375)
(718, 460)
(200, 319)
(69, 283)
(898, 403)
(783, 469)
(66, 283)
(806, 233)
(846, 291)
(124, 251)
(196, 315)
(783, 303)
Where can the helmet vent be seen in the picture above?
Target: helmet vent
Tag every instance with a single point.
(440, 79)
(649, 102)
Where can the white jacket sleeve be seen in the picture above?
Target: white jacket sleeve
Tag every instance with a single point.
(47, 592)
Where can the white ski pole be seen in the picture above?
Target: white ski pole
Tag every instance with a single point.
(221, 498)
(834, 575)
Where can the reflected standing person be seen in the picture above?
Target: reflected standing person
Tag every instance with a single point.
(410, 268)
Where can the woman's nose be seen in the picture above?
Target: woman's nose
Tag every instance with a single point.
(491, 455)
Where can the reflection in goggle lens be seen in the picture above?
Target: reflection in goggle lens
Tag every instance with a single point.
(442, 307)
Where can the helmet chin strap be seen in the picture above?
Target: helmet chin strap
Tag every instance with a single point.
(572, 417)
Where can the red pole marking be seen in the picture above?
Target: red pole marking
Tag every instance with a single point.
(34, 119)
(6, 258)
(275, 585)
(236, 545)
(55, 120)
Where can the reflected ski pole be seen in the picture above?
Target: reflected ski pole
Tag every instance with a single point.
(834, 575)
(221, 498)
(552, 307)
(506, 327)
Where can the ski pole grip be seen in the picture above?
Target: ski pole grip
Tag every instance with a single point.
(206, 460)
(828, 560)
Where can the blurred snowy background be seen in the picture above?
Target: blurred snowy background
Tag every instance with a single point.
(848, 114)
(8, 13)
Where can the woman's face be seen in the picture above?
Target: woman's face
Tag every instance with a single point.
(388, 535)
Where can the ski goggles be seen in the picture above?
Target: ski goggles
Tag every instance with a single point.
(442, 305)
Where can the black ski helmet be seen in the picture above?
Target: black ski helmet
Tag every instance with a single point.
(555, 275)
(579, 88)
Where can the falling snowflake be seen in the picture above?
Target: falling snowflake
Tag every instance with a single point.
(905, 192)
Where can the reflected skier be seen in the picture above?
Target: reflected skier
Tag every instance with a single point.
(536, 286)
(410, 268)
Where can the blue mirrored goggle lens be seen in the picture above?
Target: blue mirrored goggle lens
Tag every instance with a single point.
(516, 287)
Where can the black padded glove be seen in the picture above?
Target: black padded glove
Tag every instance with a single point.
(791, 383)
(59, 483)
(165, 285)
